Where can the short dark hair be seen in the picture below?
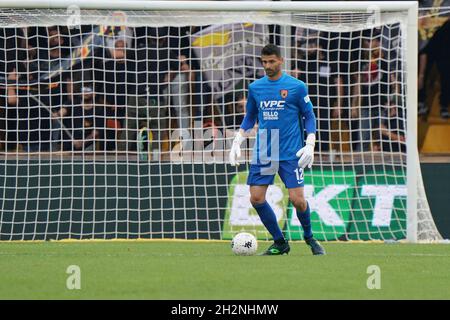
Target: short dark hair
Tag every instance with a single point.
(271, 49)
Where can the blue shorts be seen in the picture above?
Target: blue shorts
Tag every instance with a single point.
(289, 172)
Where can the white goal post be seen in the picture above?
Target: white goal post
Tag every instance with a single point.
(359, 20)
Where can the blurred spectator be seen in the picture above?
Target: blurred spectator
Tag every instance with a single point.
(213, 128)
(53, 47)
(147, 104)
(392, 129)
(180, 93)
(84, 119)
(324, 84)
(57, 115)
(392, 122)
(421, 84)
(28, 120)
(167, 64)
(8, 62)
(234, 112)
(162, 57)
(371, 94)
(438, 51)
(115, 78)
(14, 126)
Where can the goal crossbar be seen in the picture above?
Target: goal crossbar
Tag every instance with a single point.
(212, 5)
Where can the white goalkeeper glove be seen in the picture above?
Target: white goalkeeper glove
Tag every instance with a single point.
(235, 151)
(306, 154)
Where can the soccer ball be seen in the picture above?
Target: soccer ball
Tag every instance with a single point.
(244, 244)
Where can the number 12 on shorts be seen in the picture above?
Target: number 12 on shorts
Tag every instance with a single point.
(299, 175)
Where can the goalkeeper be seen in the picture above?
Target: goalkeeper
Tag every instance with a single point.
(279, 102)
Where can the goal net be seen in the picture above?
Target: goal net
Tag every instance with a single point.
(117, 123)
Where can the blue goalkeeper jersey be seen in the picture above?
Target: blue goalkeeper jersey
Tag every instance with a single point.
(283, 110)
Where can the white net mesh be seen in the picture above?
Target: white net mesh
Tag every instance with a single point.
(118, 125)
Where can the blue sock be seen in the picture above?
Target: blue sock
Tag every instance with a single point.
(305, 220)
(269, 220)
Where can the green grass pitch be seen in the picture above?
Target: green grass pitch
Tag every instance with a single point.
(209, 270)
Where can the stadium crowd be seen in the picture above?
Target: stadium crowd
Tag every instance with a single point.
(94, 88)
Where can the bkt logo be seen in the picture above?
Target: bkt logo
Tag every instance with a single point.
(272, 104)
